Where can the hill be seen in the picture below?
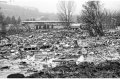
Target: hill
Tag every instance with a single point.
(25, 12)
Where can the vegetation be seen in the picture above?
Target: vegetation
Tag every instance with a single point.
(12, 20)
(7, 22)
(2, 25)
(67, 45)
(93, 16)
(65, 11)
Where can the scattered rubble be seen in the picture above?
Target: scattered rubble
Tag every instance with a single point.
(37, 51)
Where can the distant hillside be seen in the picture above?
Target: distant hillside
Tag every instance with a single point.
(25, 13)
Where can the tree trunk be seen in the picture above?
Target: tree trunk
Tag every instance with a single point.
(91, 32)
(100, 30)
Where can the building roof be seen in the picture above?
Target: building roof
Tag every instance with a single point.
(44, 22)
(77, 25)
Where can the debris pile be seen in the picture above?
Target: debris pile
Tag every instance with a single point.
(43, 50)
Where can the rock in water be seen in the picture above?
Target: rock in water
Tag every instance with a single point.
(16, 75)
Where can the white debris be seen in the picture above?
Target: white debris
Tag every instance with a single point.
(52, 64)
(16, 52)
(45, 52)
(84, 51)
(31, 58)
(80, 59)
(12, 53)
(91, 53)
(66, 45)
(79, 42)
(33, 45)
(12, 50)
(30, 36)
(82, 43)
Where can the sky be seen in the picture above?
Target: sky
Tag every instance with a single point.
(50, 6)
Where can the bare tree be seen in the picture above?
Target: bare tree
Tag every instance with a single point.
(110, 20)
(93, 16)
(65, 11)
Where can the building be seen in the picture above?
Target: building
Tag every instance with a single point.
(75, 26)
(45, 24)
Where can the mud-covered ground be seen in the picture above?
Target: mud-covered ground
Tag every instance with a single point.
(106, 69)
(60, 54)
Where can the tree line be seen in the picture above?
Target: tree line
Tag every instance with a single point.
(12, 20)
(95, 17)
(4, 23)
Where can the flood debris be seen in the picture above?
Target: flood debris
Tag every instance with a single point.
(5, 67)
(48, 50)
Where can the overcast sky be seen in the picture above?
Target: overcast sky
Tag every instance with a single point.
(50, 5)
